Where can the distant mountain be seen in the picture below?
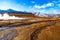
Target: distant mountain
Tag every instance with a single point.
(35, 13)
(11, 10)
(14, 11)
(47, 15)
(1, 11)
(8, 10)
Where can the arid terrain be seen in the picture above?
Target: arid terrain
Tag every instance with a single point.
(34, 28)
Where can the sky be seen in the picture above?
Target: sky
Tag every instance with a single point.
(44, 6)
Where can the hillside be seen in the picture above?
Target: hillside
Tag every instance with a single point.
(32, 29)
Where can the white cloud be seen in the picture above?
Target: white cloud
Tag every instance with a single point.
(56, 12)
(49, 4)
(59, 5)
(44, 6)
(33, 2)
(37, 8)
(8, 5)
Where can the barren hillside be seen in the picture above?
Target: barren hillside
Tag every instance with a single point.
(32, 29)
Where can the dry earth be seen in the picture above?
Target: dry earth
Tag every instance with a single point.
(31, 29)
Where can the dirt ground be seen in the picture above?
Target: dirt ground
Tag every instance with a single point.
(32, 29)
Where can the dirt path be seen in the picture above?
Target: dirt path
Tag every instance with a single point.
(10, 35)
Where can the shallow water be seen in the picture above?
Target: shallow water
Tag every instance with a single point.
(3, 28)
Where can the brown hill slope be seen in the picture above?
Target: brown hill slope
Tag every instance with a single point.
(50, 33)
(24, 15)
(43, 30)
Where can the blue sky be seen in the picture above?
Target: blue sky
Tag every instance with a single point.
(45, 6)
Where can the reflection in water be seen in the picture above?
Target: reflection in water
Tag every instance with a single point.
(3, 28)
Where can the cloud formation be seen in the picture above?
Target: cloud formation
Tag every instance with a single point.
(52, 7)
(44, 6)
(36, 5)
(33, 2)
(59, 5)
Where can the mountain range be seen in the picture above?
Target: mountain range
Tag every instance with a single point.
(8, 10)
(24, 12)
(47, 15)
(14, 11)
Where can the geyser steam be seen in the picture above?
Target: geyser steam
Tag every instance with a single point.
(5, 16)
